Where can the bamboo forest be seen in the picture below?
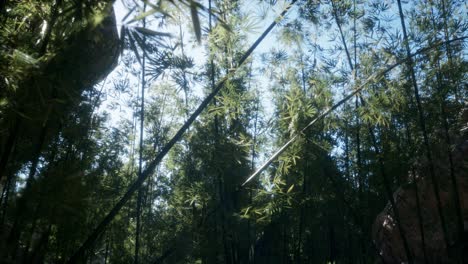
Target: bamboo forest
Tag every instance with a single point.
(233, 131)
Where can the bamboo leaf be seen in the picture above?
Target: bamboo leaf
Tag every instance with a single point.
(145, 14)
(134, 48)
(141, 42)
(128, 14)
(195, 20)
(24, 58)
(152, 33)
(23, 115)
(247, 211)
(290, 188)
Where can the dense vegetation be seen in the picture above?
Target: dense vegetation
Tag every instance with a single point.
(301, 142)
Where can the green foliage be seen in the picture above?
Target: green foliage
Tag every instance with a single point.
(65, 160)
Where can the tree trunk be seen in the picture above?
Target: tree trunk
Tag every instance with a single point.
(422, 124)
(389, 193)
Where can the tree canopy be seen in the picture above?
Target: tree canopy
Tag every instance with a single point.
(222, 131)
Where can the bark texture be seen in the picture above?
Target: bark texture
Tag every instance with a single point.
(385, 231)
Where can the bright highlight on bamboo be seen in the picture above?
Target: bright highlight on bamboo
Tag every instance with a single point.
(373, 78)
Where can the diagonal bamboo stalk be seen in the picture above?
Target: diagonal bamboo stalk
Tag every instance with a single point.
(388, 189)
(79, 254)
(368, 81)
(371, 79)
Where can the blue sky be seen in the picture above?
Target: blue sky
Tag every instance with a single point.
(261, 16)
(325, 38)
